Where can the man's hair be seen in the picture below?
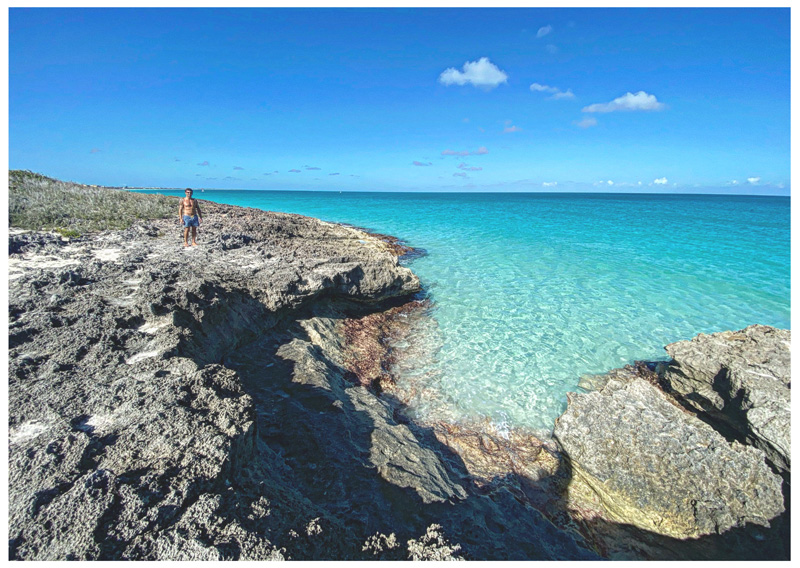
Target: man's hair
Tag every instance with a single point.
(189, 189)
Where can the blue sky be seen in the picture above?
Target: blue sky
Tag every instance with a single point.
(655, 100)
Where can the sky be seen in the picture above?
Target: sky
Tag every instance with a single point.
(612, 100)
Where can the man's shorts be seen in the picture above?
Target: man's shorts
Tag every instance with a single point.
(190, 221)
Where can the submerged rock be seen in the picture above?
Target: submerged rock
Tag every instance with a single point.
(740, 380)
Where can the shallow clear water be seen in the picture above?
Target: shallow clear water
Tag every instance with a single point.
(533, 290)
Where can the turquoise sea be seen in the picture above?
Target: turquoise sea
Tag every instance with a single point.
(533, 290)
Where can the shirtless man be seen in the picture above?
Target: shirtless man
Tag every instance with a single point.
(189, 215)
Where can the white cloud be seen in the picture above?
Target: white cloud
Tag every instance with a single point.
(586, 122)
(753, 180)
(660, 181)
(734, 182)
(508, 129)
(628, 102)
(468, 168)
(609, 182)
(482, 73)
(555, 91)
(543, 31)
(454, 153)
(549, 183)
(478, 152)
(568, 94)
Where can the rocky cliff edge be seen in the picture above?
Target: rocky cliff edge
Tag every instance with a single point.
(171, 403)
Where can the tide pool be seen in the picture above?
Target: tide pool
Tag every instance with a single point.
(531, 291)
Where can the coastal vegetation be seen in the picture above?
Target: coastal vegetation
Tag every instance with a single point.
(37, 202)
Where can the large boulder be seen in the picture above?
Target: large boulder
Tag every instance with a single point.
(739, 380)
(655, 466)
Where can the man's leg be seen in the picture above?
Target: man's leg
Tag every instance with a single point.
(194, 236)
(186, 236)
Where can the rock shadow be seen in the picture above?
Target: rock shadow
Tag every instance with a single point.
(314, 461)
(320, 442)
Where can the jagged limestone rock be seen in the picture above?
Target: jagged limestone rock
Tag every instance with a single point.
(655, 466)
(741, 379)
(120, 414)
(169, 403)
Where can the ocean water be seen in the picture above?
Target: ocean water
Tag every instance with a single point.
(531, 291)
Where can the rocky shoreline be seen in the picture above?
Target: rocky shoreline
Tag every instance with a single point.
(235, 401)
(718, 493)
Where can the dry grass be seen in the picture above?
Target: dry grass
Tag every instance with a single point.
(38, 202)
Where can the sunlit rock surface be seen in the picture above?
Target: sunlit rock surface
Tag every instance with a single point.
(686, 476)
(661, 469)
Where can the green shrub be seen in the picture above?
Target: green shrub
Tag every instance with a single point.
(38, 202)
(71, 233)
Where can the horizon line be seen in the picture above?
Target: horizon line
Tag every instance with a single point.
(444, 192)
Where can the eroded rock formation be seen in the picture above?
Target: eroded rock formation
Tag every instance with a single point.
(171, 403)
(641, 458)
(740, 380)
(658, 468)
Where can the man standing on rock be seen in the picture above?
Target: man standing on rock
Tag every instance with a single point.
(190, 215)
